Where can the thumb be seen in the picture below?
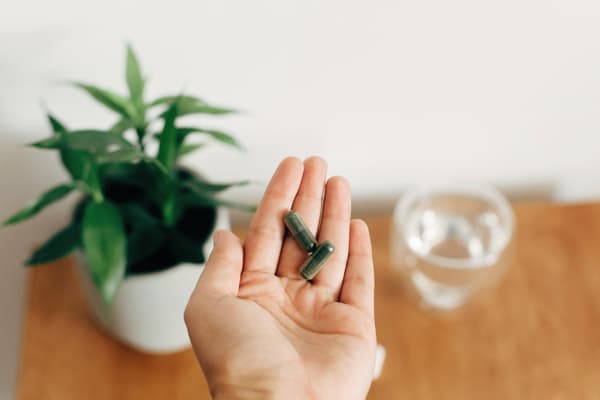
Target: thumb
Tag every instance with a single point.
(222, 271)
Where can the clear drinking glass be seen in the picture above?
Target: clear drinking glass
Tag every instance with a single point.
(451, 242)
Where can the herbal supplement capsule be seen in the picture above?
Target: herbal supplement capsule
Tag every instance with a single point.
(317, 260)
(304, 237)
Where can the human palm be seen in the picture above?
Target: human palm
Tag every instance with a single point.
(259, 330)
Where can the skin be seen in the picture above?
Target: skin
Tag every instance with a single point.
(258, 329)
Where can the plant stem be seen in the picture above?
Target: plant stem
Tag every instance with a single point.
(93, 182)
(141, 133)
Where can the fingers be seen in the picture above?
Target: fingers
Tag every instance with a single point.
(359, 281)
(265, 234)
(335, 226)
(308, 203)
(222, 272)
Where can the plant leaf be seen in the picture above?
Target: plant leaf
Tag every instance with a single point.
(92, 141)
(49, 197)
(75, 162)
(53, 142)
(105, 245)
(121, 156)
(191, 105)
(57, 126)
(136, 215)
(147, 233)
(110, 99)
(186, 149)
(213, 187)
(207, 109)
(167, 149)
(59, 245)
(142, 243)
(121, 126)
(199, 108)
(200, 197)
(134, 78)
(184, 248)
(167, 100)
(130, 155)
(222, 137)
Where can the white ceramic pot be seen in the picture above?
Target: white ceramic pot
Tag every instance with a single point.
(147, 311)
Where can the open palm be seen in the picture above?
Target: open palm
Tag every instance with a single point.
(259, 330)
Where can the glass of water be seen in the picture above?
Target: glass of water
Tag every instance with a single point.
(451, 242)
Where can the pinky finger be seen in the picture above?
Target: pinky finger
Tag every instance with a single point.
(359, 281)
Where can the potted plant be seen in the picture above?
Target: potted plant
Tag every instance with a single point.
(143, 224)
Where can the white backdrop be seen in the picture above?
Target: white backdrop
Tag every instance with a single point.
(389, 92)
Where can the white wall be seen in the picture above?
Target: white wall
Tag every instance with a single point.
(390, 92)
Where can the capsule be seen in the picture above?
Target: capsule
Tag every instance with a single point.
(304, 237)
(317, 260)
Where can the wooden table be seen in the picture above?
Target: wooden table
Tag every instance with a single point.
(537, 336)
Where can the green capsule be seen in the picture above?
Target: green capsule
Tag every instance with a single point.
(316, 261)
(304, 237)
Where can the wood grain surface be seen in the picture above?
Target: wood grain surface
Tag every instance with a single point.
(536, 336)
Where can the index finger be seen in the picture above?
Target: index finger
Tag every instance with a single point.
(265, 234)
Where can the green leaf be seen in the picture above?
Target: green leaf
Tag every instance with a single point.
(112, 100)
(53, 142)
(213, 187)
(134, 78)
(136, 215)
(186, 149)
(135, 82)
(187, 250)
(220, 136)
(121, 156)
(49, 197)
(207, 109)
(168, 100)
(121, 126)
(147, 233)
(92, 141)
(105, 246)
(57, 126)
(144, 242)
(92, 178)
(191, 105)
(75, 162)
(199, 197)
(167, 149)
(188, 109)
(59, 245)
(130, 155)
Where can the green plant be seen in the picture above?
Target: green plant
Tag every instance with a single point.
(139, 211)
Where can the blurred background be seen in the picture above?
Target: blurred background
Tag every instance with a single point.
(389, 92)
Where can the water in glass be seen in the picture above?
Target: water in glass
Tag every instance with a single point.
(451, 244)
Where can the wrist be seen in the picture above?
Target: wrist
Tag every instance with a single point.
(259, 387)
(263, 392)
(241, 393)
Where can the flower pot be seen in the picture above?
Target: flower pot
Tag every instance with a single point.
(147, 310)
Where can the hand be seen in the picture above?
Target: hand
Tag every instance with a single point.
(261, 331)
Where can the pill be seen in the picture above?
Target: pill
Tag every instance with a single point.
(317, 260)
(304, 237)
